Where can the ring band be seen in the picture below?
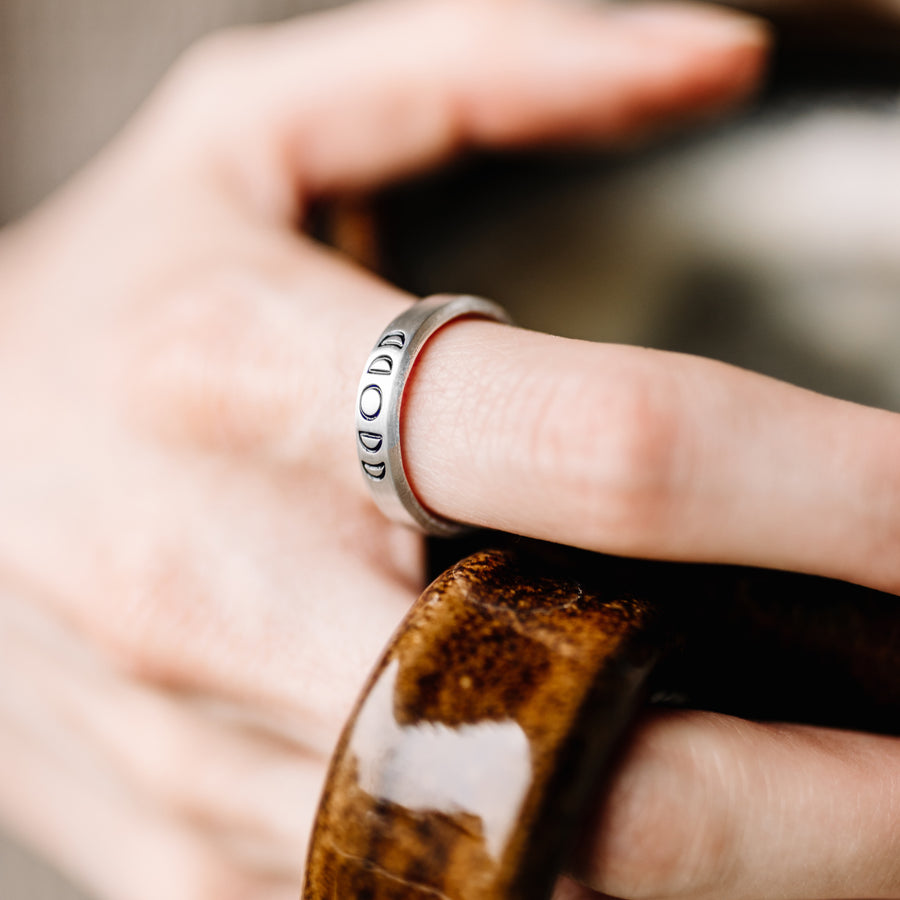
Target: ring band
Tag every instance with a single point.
(379, 398)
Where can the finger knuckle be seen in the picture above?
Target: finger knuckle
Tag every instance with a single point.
(616, 444)
(207, 83)
(216, 54)
(662, 839)
(153, 653)
(163, 624)
(220, 369)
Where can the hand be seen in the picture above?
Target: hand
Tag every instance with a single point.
(193, 581)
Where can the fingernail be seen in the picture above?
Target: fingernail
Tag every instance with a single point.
(692, 22)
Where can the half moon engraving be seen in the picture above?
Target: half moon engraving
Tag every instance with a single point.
(371, 441)
(381, 365)
(370, 402)
(375, 471)
(394, 339)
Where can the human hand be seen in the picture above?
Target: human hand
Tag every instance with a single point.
(193, 580)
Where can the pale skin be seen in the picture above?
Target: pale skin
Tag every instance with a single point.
(193, 579)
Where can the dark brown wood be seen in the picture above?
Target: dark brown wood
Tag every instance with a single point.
(471, 757)
(486, 730)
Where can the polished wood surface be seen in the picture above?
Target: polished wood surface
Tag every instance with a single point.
(485, 732)
(470, 759)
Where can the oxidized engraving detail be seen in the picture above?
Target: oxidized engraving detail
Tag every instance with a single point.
(371, 441)
(370, 402)
(381, 365)
(378, 404)
(394, 339)
(375, 470)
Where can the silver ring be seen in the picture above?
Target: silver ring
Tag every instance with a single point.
(379, 398)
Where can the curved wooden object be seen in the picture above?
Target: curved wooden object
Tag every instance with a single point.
(474, 750)
(480, 740)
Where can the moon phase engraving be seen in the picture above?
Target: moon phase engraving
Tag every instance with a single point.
(375, 471)
(381, 365)
(394, 339)
(370, 402)
(371, 441)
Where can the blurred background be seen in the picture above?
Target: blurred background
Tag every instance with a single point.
(770, 240)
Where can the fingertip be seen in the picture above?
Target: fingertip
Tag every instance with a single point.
(719, 56)
(616, 75)
(695, 22)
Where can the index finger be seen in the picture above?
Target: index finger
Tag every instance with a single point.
(652, 454)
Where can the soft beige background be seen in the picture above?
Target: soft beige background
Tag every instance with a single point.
(23, 877)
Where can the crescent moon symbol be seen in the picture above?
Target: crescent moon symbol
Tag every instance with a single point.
(371, 441)
(394, 339)
(381, 365)
(374, 471)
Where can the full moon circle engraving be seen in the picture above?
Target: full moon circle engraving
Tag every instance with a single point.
(370, 402)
